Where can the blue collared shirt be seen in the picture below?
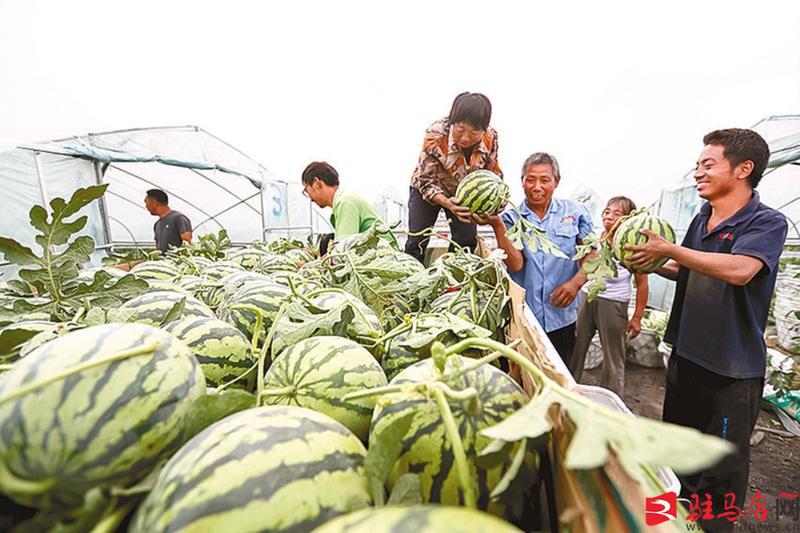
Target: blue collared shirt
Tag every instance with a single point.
(717, 325)
(566, 223)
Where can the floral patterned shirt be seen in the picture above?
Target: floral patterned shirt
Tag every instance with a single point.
(442, 164)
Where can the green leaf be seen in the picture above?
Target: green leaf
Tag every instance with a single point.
(407, 491)
(494, 454)
(16, 253)
(518, 479)
(79, 251)
(175, 312)
(383, 452)
(213, 407)
(38, 218)
(599, 429)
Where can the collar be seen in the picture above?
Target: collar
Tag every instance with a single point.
(747, 211)
(527, 211)
(335, 195)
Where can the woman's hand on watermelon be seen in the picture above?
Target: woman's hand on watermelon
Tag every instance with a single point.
(655, 249)
(462, 213)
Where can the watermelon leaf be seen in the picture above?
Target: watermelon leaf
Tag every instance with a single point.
(600, 430)
(407, 491)
(210, 408)
(175, 312)
(382, 454)
(51, 275)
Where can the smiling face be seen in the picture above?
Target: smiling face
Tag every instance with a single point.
(539, 183)
(714, 175)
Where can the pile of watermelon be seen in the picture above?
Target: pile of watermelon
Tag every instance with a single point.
(216, 393)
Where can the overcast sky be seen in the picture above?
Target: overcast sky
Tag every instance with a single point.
(621, 93)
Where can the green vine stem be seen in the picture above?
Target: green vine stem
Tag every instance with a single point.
(278, 391)
(462, 467)
(262, 356)
(77, 369)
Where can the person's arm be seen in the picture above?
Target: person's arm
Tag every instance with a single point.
(731, 268)
(185, 229)
(564, 294)
(669, 270)
(514, 259)
(642, 292)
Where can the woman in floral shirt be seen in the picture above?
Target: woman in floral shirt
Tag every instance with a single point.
(453, 147)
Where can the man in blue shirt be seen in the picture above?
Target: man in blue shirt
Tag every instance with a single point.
(725, 270)
(550, 282)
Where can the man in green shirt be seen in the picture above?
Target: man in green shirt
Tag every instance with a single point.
(351, 213)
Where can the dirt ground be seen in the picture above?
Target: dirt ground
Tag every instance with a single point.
(774, 462)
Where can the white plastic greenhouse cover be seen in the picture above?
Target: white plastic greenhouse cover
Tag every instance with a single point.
(779, 189)
(210, 181)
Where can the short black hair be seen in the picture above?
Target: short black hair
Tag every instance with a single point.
(322, 170)
(742, 145)
(473, 108)
(159, 196)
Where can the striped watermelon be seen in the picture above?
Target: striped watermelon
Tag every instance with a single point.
(106, 424)
(217, 271)
(417, 519)
(316, 373)
(426, 448)
(482, 192)
(264, 469)
(191, 283)
(248, 258)
(628, 234)
(266, 296)
(160, 269)
(159, 285)
(218, 292)
(223, 351)
(152, 308)
(194, 264)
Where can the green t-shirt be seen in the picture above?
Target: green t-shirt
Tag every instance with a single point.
(352, 214)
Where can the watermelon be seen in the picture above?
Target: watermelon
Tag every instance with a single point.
(158, 285)
(628, 234)
(266, 296)
(248, 258)
(223, 352)
(317, 372)
(160, 269)
(217, 271)
(275, 468)
(482, 192)
(86, 426)
(417, 519)
(216, 293)
(152, 308)
(191, 283)
(426, 448)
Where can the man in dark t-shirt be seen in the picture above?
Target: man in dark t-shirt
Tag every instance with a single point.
(172, 227)
(725, 270)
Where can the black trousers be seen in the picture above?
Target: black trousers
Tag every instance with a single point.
(721, 406)
(422, 215)
(563, 340)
